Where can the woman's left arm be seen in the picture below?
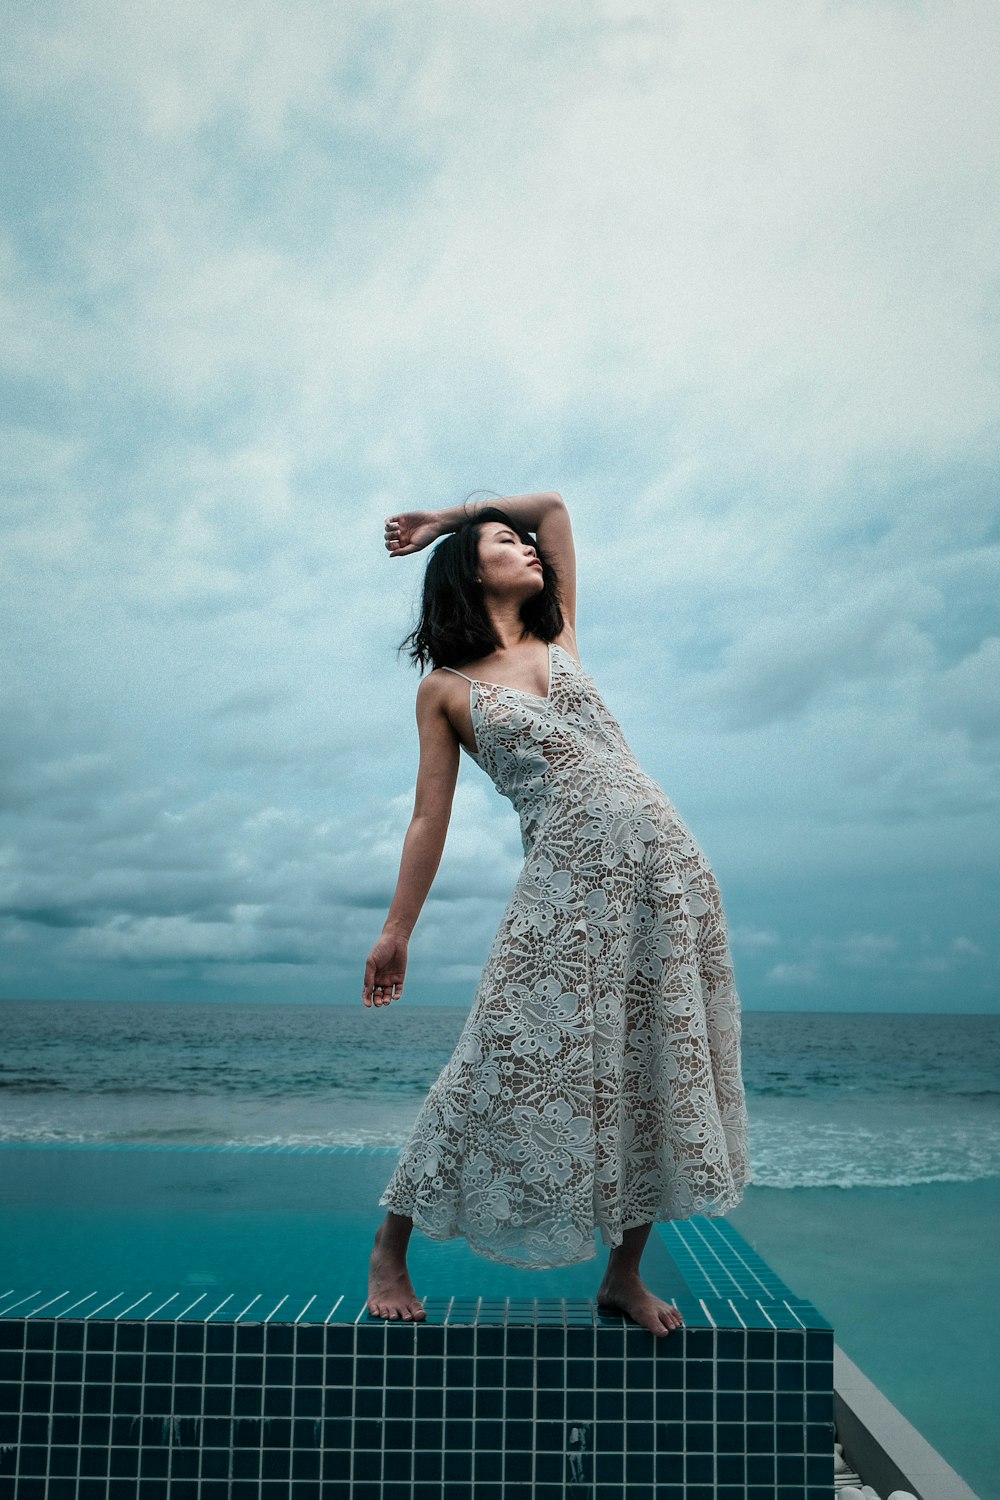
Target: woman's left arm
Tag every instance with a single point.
(545, 514)
(549, 518)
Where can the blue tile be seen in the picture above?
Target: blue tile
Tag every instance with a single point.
(458, 1465)
(521, 1343)
(550, 1374)
(68, 1365)
(487, 1436)
(819, 1467)
(730, 1375)
(700, 1437)
(760, 1406)
(458, 1402)
(397, 1464)
(699, 1374)
(399, 1401)
(699, 1468)
(429, 1340)
(549, 1468)
(427, 1464)
(308, 1400)
(730, 1469)
(610, 1405)
(639, 1406)
(368, 1401)
(669, 1406)
(366, 1464)
(460, 1342)
(429, 1402)
(550, 1342)
(490, 1343)
(699, 1405)
(369, 1371)
(339, 1339)
(790, 1437)
(276, 1400)
(428, 1371)
(489, 1401)
(789, 1406)
(309, 1339)
(760, 1440)
(519, 1434)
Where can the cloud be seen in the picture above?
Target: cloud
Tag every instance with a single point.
(723, 276)
(793, 975)
(967, 948)
(967, 696)
(225, 881)
(777, 668)
(752, 939)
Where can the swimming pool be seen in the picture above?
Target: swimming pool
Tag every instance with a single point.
(242, 1221)
(182, 1319)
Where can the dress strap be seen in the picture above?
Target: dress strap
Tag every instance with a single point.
(459, 674)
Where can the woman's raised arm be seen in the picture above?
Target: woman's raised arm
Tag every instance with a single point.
(545, 514)
(423, 846)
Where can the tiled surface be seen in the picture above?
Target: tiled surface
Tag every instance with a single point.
(481, 1402)
(725, 1284)
(377, 1412)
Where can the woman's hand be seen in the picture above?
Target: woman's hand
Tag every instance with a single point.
(411, 531)
(384, 970)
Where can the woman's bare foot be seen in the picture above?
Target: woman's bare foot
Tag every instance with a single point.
(390, 1290)
(626, 1292)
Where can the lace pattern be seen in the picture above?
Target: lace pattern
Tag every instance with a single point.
(596, 1083)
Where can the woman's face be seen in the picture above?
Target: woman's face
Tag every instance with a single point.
(507, 565)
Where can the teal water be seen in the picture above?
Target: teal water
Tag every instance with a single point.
(232, 1222)
(874, 1147)
(910, 1279)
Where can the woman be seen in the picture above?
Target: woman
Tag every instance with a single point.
(596, 1083)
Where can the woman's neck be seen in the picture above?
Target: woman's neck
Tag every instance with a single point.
(508, 626)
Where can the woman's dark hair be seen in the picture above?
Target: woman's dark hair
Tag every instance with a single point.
(454, 625)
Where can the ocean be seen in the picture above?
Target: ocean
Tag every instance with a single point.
(835, 1100)
(874, 1145)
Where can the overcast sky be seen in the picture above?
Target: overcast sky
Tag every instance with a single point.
(725, 275)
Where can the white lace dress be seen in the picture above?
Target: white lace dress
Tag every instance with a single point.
(596, 1083)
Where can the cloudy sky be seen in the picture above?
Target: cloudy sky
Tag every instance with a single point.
(725, 275)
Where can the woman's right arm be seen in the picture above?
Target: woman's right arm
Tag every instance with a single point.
(423, 845)
(546, 514)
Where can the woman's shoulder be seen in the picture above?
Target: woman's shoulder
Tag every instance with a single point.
(435, 682)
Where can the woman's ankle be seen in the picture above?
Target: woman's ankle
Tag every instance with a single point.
(394, 1233)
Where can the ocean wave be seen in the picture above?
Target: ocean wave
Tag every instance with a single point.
(844, 1088)
(35, 1085)
(873, 1178)
(772, 1166)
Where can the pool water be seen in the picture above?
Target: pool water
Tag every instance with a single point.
(245, 1222)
